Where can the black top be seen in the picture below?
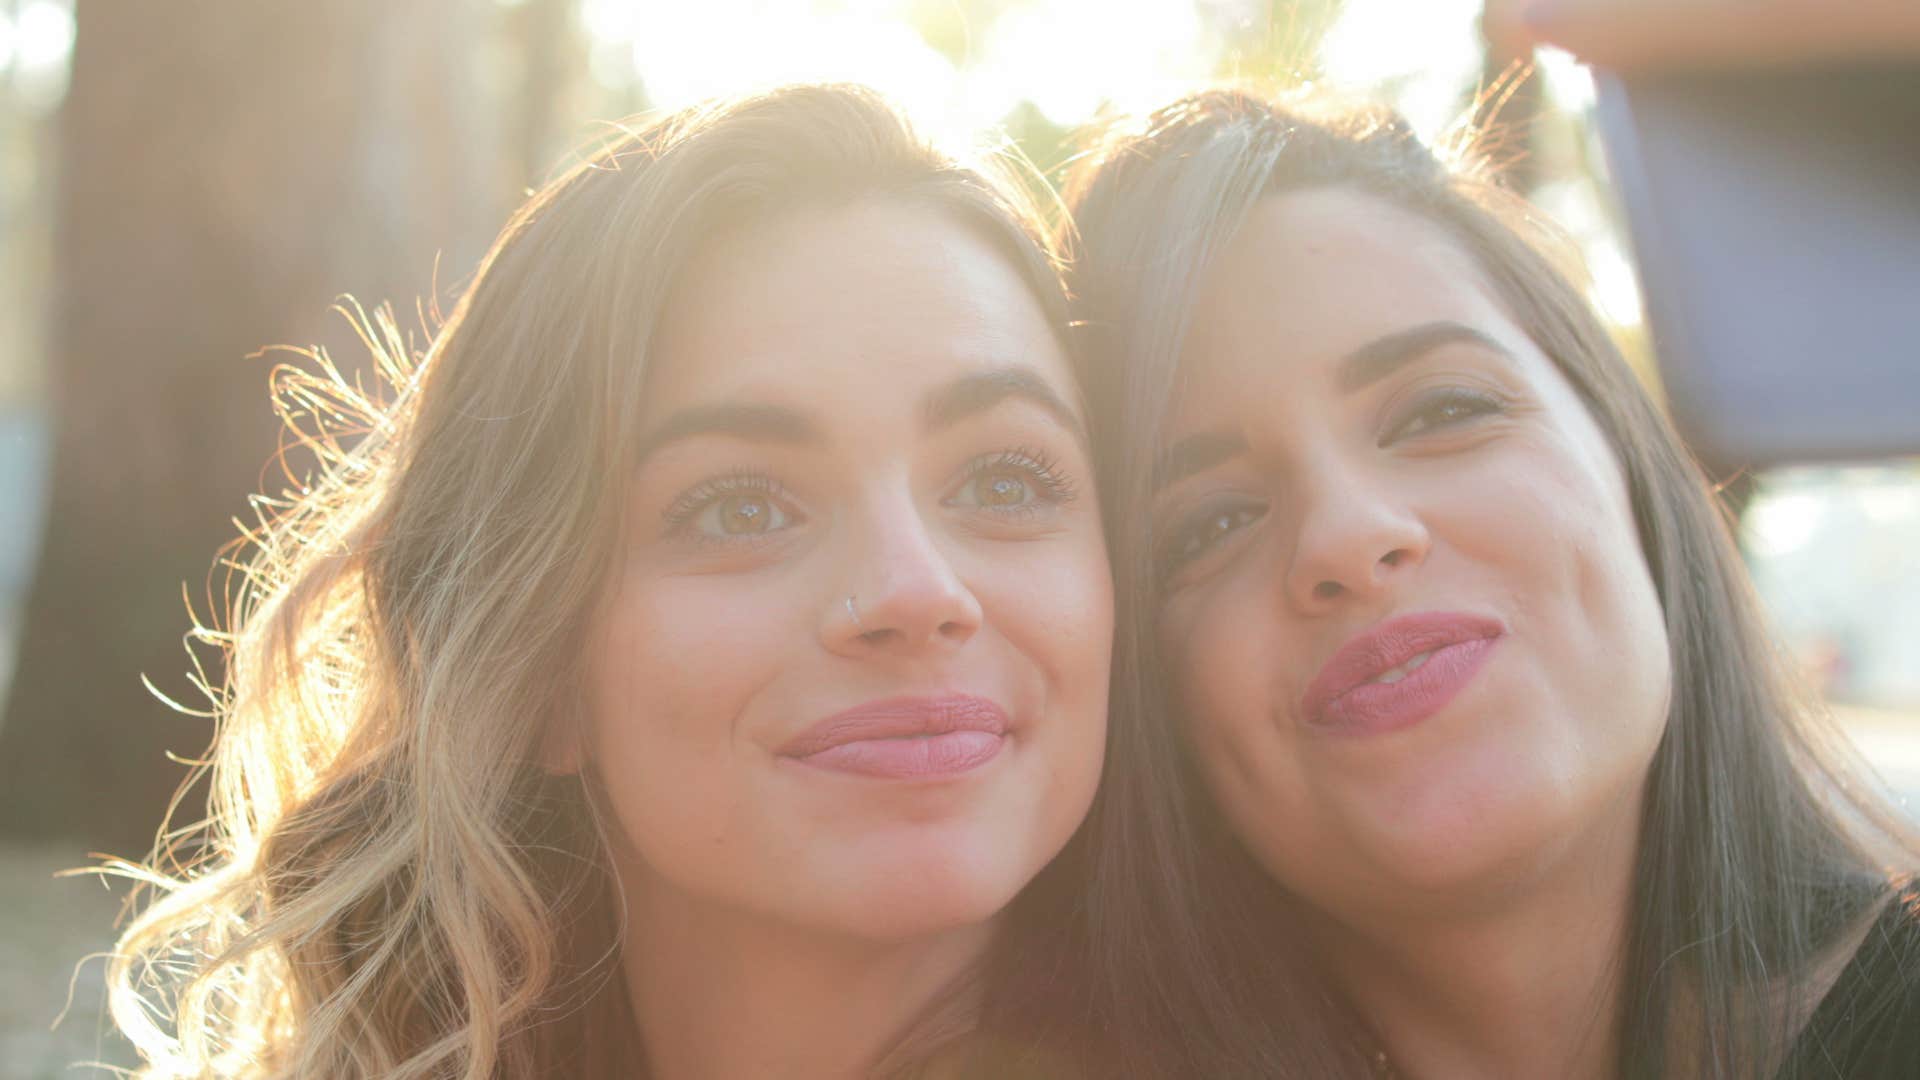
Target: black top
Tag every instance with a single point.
(1868, 1025)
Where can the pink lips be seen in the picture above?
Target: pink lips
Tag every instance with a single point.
(905, 738)
(1399, 672)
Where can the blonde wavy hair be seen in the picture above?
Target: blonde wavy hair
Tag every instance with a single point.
(388, 884)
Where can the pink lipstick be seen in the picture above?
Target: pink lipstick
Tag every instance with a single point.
(905, 738)
(1399, 672)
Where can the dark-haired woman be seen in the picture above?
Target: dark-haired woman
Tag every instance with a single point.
(1454, 631)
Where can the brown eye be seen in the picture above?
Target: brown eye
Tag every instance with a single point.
(741, 507)
(999, 490)
(1212, 529)
(1443, 409)
(1012, 483)
(1198, 534)
(745, 514)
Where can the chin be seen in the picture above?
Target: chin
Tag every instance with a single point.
(929, 888)
(1460, 868)
(1481, 847)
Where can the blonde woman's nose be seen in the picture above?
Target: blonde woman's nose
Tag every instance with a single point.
(902, 592)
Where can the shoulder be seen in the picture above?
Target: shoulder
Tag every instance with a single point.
(1868, 1025)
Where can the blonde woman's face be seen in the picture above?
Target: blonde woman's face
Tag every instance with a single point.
(1421, 655)
(854, 674)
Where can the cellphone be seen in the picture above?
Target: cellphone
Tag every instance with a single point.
(1775, 218)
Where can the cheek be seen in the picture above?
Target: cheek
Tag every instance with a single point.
(1612, 586)
(677, 663)
(1223, 655)
(1616, 585)
(1052, 607)
(1053, 600)
(680, 654)
(1569, 555)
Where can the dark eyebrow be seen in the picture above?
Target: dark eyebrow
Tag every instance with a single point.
(1382, 357)
(753, 423)
(1362, 367)
(967, 395)
(1194, 454)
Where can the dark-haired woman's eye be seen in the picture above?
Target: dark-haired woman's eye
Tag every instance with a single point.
(1016, 481)
(1196, 534)
(735, 507)
(1440, 409)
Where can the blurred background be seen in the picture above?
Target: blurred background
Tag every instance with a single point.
(182, 185)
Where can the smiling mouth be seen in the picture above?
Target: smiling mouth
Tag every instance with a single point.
(908, 738)
(1398, 672)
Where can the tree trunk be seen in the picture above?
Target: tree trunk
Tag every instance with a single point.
(228, 167)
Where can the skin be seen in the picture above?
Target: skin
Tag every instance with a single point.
(1473, 867)
(1707, 34)
(816, 910)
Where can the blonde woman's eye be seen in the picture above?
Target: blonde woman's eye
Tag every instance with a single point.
(1012, 481)
(745, 515)
(999, 489)
(734, 507)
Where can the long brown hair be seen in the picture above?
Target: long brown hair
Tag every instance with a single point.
(1754, 848)
(389, 884)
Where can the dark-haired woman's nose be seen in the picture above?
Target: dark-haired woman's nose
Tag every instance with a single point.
(1355, 540)
(902, 594)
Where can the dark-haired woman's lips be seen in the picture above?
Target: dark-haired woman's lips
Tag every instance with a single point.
(1399, 672)
(905, 738)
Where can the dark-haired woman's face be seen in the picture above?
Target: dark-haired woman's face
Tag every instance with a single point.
(1417, 643)
(854, 673)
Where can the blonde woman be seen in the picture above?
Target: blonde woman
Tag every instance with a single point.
(695, 666)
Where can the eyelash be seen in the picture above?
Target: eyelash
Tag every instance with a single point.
(691, 502)
(1172, 557)
(1053, 487)
(1476, 402)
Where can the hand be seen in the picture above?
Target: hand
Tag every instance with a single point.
(1628, 34)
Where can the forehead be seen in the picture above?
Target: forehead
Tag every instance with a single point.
(1312, 275)
(876, 296)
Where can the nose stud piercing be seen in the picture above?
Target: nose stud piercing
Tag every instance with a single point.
(853, 612)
